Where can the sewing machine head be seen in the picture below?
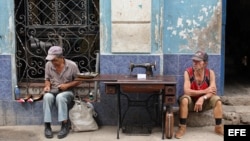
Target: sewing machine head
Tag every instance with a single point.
(148, 67)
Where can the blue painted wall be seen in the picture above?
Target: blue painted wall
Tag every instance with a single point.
(179, 28)
(186, 22)
(170, 19)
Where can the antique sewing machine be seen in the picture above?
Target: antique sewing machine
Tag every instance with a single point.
(148, 67)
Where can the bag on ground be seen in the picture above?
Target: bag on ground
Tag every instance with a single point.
(82, 116)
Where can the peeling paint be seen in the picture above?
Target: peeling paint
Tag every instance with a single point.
(189, 22)
(200, 18)
(161, 27)
(186, 22)
(174, 32)
(207, 38)
(157, 31)
(179, 22)
(183, 34)
(11, 33)
(195, 23)
(204, 9)
(170, 28)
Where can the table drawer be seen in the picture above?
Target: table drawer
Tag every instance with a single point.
(169, 99)
(142, 88)
(110, 89)
(170, 90)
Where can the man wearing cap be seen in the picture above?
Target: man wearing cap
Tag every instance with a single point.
(59, 82)
(199, 93)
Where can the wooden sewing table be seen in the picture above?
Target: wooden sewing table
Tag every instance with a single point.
(127, 84)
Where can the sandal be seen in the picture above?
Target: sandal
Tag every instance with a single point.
(30, 100)
(21, 100)
(37, 97)
(24, 98)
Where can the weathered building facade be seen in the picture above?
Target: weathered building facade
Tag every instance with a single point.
(163, 31)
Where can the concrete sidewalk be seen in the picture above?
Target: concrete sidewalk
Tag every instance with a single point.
(105, 133)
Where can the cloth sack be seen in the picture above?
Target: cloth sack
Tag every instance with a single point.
(82, 116)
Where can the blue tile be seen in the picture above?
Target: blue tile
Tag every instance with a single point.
(184, 62)
(180, 83)
(5, 90)
(170, 65)
(5, 57)
(37, 108)
(22, 109)
(119, 64)
(5, 70)
(8, 108)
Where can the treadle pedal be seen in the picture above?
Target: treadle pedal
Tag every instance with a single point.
(137, 130)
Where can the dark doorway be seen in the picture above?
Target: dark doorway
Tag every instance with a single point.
(237, 43)
(237, 48)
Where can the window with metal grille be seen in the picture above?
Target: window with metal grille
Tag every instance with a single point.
(73, 24)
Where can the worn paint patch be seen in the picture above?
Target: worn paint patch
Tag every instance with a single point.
(7, 41)
(194, 25)
(207, 38)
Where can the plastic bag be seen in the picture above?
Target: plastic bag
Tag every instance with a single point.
(82, 116)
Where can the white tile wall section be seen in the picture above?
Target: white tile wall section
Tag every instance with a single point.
(131, 26)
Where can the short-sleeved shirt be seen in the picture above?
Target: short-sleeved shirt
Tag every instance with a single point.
(68, 74)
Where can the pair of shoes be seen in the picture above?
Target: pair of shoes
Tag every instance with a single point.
(30, 98)
(219, 129)
(64, 130)
(47, 131)
(27, 98)
(35, 97)
(181, 131)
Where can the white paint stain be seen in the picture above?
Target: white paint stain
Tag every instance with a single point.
(200, 18)
(170, 28)
(182, 34)
(189, 22)
(195, 23)
(204, 9)
(157, 28)
(11, 33)
(179, 22)
(174, 32)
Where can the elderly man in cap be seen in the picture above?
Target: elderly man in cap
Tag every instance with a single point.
(199, 93)
(59, 82)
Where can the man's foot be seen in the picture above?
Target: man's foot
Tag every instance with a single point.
(64, 130)
(181, 131)
(47, 132)
(219, 129)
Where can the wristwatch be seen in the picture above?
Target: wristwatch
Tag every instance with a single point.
(205, 97)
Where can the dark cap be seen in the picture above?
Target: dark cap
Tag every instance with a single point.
(200, 56)
(53, 52)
